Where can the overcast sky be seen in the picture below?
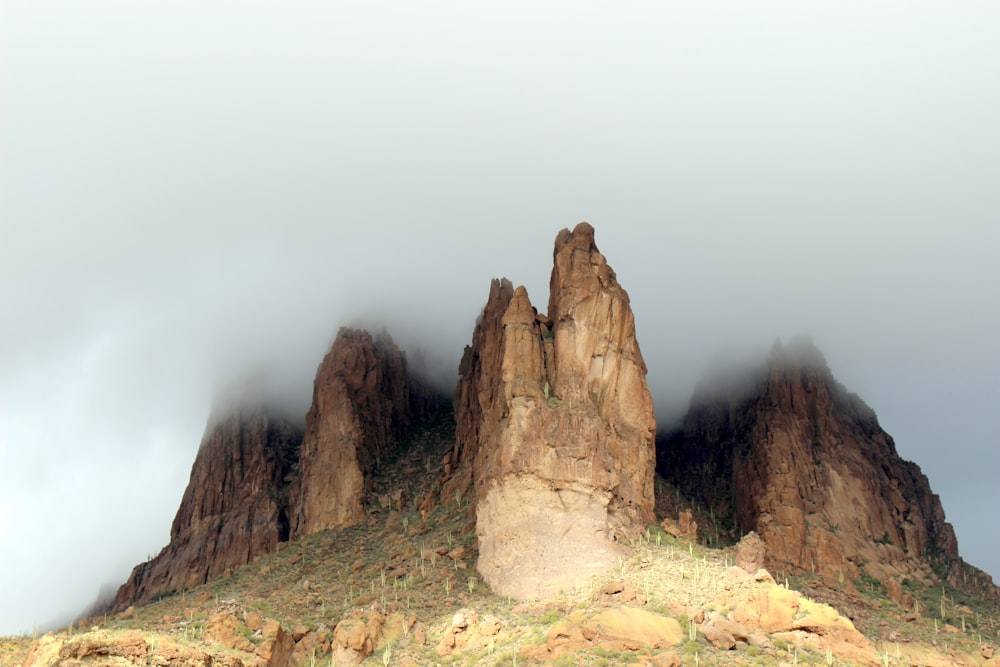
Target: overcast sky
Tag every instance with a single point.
(193, 192)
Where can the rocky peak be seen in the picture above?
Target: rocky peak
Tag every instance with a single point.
(235, 506)
(555, 426)
(259, 479)
(364, 402)
(796, 458)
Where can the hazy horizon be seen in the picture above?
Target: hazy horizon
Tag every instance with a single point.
(192, 194)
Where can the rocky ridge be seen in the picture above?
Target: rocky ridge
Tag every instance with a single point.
(259, 480)
(234, 508)
(794, 457)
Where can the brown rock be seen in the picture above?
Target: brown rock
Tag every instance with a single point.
(666, 659)
(299, 631)
(234, 508)
(312, 645)
(355, 638)
(771, 609)
(788, 453)
(364, 402)
(555, 427)
(718, 637)
(351, 643)
(253, 621)
(751, 553)
(226, 629)
(277, 647)
(684, 527)
(92, 648)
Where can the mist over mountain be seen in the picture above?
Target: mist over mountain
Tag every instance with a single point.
(193, 196)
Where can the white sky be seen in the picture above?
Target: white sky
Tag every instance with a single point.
(192, 191)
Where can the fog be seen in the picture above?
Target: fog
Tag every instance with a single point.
(192, 194)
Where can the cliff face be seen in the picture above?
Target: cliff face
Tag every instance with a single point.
(555, 426)
(234, 508)
(806, 465)
(258, 480)
(364, 403)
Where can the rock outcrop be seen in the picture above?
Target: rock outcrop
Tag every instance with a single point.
(796, 458)
(259, 479)
(235, 505)
(364, 403)
(555, 427)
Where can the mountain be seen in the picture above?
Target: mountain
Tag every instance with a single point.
(234, 508)
(355, 538)
(259, 480)
(789, 453)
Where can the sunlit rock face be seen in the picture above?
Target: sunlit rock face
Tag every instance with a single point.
(795, 457)
(364, 404)
(235, 505)
(555, 427)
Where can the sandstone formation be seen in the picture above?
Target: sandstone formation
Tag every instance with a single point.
(555, 426)
(795, 457)
(364, 403)
(234, 508)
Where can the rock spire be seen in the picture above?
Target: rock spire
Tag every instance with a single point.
(555, 426)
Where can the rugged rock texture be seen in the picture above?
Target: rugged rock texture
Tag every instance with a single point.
(234, 508)
(555, 426)
(245, 496)
(795, 457)
(364, 403)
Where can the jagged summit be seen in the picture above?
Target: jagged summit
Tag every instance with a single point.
(259, 479)
(555, 426)
(234, 508)
(364, 403)
(797, 458)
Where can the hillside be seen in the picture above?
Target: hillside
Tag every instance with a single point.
(402, 588)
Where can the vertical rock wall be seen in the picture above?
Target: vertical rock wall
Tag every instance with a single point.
(364, 403)
(556, 427)
(805, 464)
(234, 508)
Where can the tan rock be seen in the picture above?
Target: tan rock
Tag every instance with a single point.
(311, 646)
(225, 629)
(751, 553)
(771, 609)
(299, 631)
(277, 647)
(718, 637)
(555, 427)
(617, 628)
(666, 659)
(636, 628)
